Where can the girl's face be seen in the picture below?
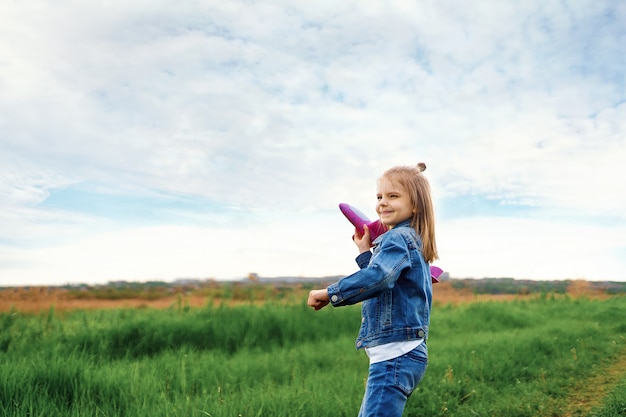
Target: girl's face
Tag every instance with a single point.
(394, 204)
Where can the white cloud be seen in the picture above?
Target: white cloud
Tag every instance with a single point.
(534, 249)
(288, 248)
(279, 107)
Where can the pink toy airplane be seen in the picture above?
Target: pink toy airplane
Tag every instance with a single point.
(376, 228)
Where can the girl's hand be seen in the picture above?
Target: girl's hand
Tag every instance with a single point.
(318, 299)
(362, 241)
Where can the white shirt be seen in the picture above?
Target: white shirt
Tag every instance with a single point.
(391, 350)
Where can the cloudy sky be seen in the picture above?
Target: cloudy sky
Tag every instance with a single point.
(156, 140)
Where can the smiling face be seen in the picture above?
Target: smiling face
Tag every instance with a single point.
(394, 203)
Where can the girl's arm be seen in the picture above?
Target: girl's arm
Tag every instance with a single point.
(381, 273)
(319, 299)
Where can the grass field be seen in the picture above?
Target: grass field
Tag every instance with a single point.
(538, 356)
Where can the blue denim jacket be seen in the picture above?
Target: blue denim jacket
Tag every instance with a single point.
(394, 286)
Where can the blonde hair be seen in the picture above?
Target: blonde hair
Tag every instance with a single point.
(423, 221)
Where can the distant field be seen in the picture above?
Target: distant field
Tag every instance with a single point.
(164, 295)
(259, 351)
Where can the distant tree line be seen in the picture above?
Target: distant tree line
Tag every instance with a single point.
(518, 286)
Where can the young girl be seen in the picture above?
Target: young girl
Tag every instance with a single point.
(394, 286)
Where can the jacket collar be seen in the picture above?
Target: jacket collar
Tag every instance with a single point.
(405, 223)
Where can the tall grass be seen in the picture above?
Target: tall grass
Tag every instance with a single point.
(504, 359)
(518, 358)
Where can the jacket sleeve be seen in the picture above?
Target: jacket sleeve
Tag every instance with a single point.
(381, 274)
(363, 260)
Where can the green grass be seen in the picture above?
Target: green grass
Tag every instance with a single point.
(486, 359)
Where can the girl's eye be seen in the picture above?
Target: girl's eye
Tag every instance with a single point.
(378, 197)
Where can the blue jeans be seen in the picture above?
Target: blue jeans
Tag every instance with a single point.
(390, 383)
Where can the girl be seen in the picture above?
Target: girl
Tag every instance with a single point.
(394, 286)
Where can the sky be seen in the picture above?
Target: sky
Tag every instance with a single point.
(164, 140)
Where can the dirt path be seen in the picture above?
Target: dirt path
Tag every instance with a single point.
(591, 392)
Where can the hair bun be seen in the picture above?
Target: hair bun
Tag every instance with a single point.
(421, 166)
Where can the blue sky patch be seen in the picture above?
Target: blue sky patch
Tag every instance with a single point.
(464, 206)
(144, 207)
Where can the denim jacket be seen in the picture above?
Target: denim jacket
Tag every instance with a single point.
(394, 286)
